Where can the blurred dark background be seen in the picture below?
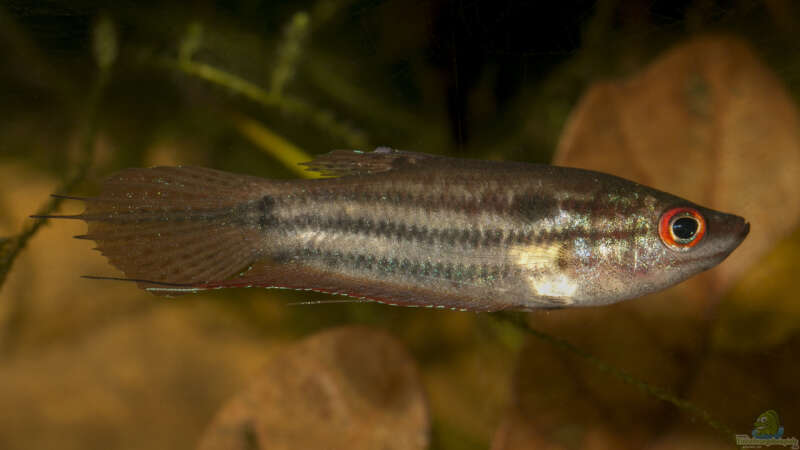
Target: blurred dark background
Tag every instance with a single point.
(475, 77)
(240, 86)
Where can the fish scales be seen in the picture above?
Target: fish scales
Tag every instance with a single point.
(410, 229)
(432, 232)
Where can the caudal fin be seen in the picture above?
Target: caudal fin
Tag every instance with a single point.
(181, 226)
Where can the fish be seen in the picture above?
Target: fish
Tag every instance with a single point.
(410, 229)
(767, 426)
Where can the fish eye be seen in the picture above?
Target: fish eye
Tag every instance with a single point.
(684, 228)
(681, 228)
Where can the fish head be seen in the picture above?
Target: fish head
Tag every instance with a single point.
(695, 239)
(689, 239)
(682, 240)
(645, 243)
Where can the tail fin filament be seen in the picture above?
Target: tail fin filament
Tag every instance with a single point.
(173, 228)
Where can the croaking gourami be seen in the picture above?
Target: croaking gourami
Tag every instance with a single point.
(408, 229)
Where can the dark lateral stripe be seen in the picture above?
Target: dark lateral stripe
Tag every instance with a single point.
(255, 213)
(453, 237)
(397, 266)
(400, 231)
(147, 215)
(529, 206)
(431, 202)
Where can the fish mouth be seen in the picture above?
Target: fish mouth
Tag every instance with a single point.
(736, 230)
(739, 231)
(736, 226)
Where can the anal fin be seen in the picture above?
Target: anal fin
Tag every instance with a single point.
(267, 274)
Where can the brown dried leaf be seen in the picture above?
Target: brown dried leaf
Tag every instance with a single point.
(709, 122)
(564, 402)
(762, 311)
(148, 381)
(347, 388)
(706, 121)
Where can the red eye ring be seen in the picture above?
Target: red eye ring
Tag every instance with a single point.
(667, 228)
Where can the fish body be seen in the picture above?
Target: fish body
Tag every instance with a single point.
(409, 229)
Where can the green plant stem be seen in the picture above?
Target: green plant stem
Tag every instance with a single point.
(521, 323)
(290, 105)
(318, 68)
(289, 52)
(12, 247)
(274, 145)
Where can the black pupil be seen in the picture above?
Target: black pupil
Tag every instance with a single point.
(685, 228)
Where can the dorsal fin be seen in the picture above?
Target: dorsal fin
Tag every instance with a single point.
(356, 162)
